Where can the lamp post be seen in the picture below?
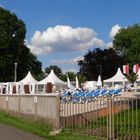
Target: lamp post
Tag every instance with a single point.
(15, 78)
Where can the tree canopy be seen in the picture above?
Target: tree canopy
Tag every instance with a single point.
(127, 41)
(13, 48)
(100, 62)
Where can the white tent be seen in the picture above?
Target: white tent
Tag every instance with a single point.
(118, 77)
(99, 82)
(89, 85)
(68, 82)
(52, 78)
(29, 79)
(77, 83)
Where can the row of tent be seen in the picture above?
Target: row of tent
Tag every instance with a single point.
(30, 85)
(52, 78)
(59, 84)
(120, 77)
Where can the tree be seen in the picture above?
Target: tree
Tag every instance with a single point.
(81, 78)
(13, 48)
(55, 68)
(127, 41)
(132, 77)
(71, 75)
(100, 62)
(63, 77)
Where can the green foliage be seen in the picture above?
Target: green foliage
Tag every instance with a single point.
(63, 77)
(127, 41)
(81, 78)
(100, 62)
(132, 77)
(38, 128)
(55, 68)
(13, 49)
(71, 75)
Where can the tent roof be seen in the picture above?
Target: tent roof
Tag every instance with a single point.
(28, 79)
(53, 79)
(118, 77)
(99, 81)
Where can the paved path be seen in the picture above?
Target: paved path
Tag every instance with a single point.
(11, 133)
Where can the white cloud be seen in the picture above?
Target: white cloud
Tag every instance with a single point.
(67, 61)
(115, 29)
(64, 39)
(69, 70)
(109, 45)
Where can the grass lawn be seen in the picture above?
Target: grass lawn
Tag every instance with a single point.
(38, 128)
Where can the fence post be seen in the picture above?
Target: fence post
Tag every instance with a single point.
(110, 118)
(19, 104)
(6, 103)
(58, 125)
(35, 107)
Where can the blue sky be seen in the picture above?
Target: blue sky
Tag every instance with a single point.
(60, 32)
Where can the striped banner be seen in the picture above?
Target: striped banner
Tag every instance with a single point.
(136, 68)
(126, 69)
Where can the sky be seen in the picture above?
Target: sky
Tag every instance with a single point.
(60, 32)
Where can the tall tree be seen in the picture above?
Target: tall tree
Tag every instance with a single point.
(100, 62)
(55, 68)
(127, 41)
(13, 48)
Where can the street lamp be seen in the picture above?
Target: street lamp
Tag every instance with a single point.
(15, 78)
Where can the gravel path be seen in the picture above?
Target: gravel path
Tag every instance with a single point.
(11, 133)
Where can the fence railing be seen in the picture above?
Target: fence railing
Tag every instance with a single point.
(110, 117)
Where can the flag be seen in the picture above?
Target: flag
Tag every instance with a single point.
(126, 69)
(136, 68)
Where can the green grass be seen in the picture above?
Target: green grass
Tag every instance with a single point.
(39, 128)
(125, 124)
(70, 136)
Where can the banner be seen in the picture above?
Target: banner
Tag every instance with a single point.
(126, 69)
(136, 68)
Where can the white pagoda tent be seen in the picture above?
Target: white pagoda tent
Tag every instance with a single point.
(52, 78)
(69, 85)
(117, 78)
(77, 82)
(99, 81)
(28, 79)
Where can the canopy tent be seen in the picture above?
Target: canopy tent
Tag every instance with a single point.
(29, 79)
(69, 85)
(68, 82)
(118, 77)
(99, 81)
(52, 78)
(89, 85)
